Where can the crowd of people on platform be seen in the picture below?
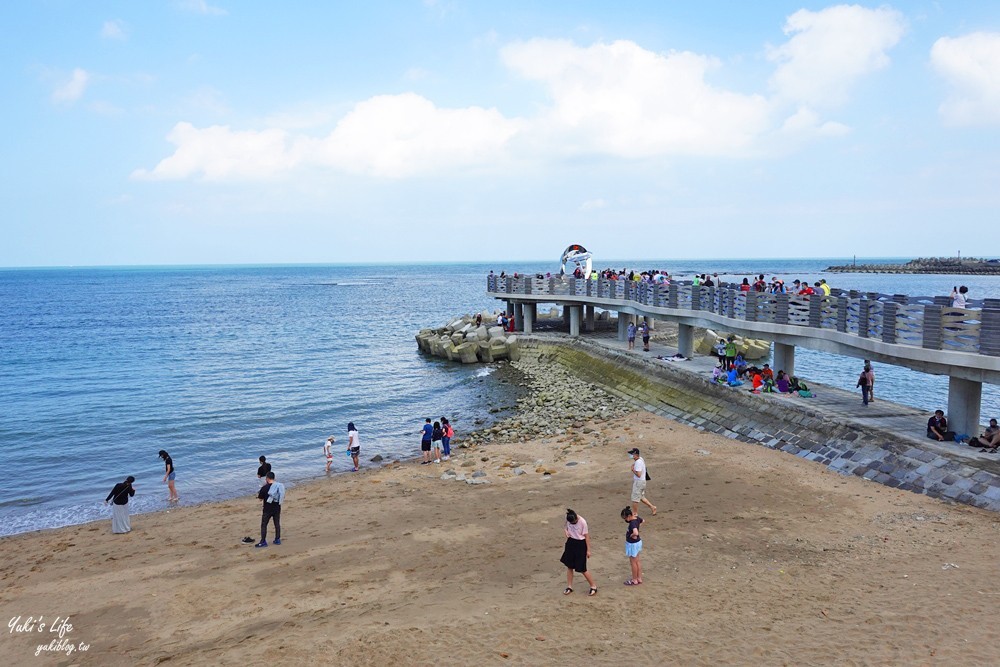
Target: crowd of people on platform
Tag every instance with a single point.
(761, 380)
(658, 277)
(959, 295)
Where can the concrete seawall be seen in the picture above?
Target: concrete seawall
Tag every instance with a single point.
(798, 429)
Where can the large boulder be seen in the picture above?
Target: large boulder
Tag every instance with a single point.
(484, 352)
(498, 348)
(424, 340)
(482, 333)
(513, 351)
(706, 343)
(466, 352)
(495, 332)
(457, 338)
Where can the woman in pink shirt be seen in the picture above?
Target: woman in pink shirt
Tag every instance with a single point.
(577, 551)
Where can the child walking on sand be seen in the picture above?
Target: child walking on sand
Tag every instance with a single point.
(633, 545)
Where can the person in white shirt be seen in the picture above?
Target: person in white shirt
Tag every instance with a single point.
(328, 452)
(958, 298)
(353, 444)
(639, 483)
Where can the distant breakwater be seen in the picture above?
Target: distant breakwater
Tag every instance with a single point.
(938, 265)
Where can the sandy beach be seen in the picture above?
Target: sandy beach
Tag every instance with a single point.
(755, 557)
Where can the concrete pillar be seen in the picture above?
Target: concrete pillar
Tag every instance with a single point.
(685, 340)
(509, 308)
(622, 326)
(651, 321)
(518, 316)
(783, 359)
(589, 319)
(964, 400)
(530, 312)
(575, 313)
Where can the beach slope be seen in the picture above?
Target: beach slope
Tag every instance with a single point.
(755, 557)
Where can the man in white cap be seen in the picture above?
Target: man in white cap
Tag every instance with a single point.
(639, 483)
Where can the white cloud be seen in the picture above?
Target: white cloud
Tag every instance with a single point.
(806, 122)
(593, 204)
(387, 136)
(830, 50)
(612, 99)
(219, 153)
(72, 90)
(115, 29)
(624, 100)
(400, 135)
(200, 7)
(971, 65)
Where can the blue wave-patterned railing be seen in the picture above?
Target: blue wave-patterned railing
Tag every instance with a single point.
(917, 321)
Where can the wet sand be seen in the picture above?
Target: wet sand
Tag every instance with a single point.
(755, 557)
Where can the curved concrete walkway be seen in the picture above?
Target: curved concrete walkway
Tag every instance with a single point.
(902, 422)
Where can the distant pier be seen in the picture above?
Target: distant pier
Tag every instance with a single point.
(922, 333)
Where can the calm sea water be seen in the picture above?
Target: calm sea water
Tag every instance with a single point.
(101, 368)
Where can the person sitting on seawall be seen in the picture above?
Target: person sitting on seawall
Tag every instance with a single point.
(781, 383)
(766, 373)
(798, 386)
(732, 378)
(937, 427)
(756, 382)
(741, 364)
(989, 440)
(718, 375)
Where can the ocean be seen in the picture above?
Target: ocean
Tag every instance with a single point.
(100, 368)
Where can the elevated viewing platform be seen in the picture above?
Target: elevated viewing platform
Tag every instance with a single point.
(922, 333)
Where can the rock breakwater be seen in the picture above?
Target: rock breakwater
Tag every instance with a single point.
(948, 265)
(556, 403)
(464, 340)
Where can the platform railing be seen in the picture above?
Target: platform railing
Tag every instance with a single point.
(917, 321)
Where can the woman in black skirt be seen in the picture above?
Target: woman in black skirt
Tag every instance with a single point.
(577, 551)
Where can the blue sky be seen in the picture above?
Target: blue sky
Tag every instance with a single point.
(197, 131)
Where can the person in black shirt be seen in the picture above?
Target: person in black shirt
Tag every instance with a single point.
(937, 428)
(263, 469)
(272, 493)
(633, 545)
(120, 521)
(169, 476)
